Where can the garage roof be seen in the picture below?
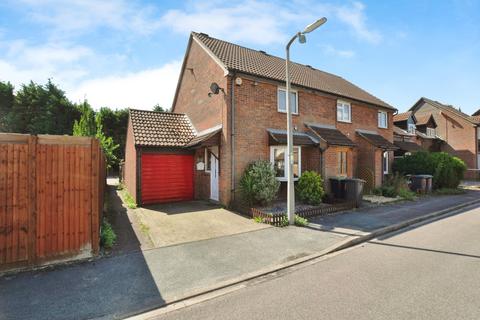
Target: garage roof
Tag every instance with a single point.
(161, 129)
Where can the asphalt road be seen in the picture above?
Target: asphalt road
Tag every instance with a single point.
(430, 272)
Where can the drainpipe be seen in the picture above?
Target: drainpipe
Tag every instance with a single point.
(232, 129)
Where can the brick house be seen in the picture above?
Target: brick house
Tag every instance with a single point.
(339, 129)
(441, 127)
(413, 133)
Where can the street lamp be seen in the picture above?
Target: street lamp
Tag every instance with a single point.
(290, 187)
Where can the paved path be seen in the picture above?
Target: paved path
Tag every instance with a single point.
(132, 280)
(431, 272)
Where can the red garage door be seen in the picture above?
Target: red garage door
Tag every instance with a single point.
(166, 177)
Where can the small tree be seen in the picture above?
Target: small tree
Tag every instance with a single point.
(259, 184)
(90, 125)
(310, 188)
(158, 108)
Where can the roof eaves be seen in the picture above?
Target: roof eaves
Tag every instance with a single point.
(222, 65)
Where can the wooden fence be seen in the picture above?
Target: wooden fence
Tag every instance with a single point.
(51, 198)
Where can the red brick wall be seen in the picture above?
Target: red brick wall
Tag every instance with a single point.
(130, 162)
(459, 135)
(206, 112)
(256, 110)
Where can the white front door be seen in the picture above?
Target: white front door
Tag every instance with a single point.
(214, 177)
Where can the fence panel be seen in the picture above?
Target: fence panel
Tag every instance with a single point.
(51, 198)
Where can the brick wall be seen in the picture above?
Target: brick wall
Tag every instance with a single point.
(206, 112)
(256, 110)
(458, 134)
(130, 162)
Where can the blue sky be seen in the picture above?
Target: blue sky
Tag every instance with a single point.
(124, 53)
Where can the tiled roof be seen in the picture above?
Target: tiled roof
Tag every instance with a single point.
(423, 119)
(448, 108)
(161, 129)
(476, 119)
(402, 116)
(402, 132)
(408, 146)
(377, 140)
(279, 137)
(331, 135)
(476, 113)
(259, 63)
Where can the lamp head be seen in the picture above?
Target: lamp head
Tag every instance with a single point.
(314, 25)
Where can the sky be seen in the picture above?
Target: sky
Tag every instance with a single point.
(128, 53)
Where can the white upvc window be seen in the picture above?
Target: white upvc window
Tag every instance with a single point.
(344, 111)
(431, 132)
(411, 128)
(279, 160)
(207, 160)
(382, 119)
(282, 102)
(385, 162)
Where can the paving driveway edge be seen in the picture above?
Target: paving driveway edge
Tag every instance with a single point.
(347, 243)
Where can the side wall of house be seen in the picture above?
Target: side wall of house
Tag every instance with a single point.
(458, 134)
(130, 162)
(201, 70)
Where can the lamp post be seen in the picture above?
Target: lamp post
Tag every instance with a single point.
(290, 187)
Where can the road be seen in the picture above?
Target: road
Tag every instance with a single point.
(430, 272)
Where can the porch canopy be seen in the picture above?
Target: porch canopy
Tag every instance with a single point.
(377, 140)
(330, 136)
(279, 137)
(206, 138)
(407, 146)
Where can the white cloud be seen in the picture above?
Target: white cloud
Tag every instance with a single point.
(251, 21)
(64, 63)
(355, 17)
(142, 89)
(331, 50)
(80, 16)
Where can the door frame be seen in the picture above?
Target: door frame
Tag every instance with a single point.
(214, 177)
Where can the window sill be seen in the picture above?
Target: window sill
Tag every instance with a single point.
(344, 121)
(285, 179)
(293, 113)
(383, 128)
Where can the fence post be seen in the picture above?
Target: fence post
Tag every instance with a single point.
(32, 199)
(95, 196)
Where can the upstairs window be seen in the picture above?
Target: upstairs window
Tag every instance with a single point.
(282, 103)
(382, 119)
(344, 111)
(411, 128)
(431, 132)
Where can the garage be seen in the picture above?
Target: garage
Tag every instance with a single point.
(166, 177)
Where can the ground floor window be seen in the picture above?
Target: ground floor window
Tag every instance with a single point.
(278, 157)
(342, 163)
(385, 162)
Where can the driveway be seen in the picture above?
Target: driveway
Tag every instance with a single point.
(181, 222)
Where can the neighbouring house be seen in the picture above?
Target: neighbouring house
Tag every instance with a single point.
(421, 130)
(231, 104)
(442, 127)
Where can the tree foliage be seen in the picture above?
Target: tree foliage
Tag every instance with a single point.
(45, 109)
(259, 184)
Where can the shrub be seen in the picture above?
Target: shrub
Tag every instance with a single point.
(447, 170)
(377, 191)
(107, 235)
(284, 221)
(406, 194)
(388, 191)
(258, 219)
(310, 188)
(259, 184)
(300, 221)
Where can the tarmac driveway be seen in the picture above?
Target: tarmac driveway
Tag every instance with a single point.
(181, 222)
